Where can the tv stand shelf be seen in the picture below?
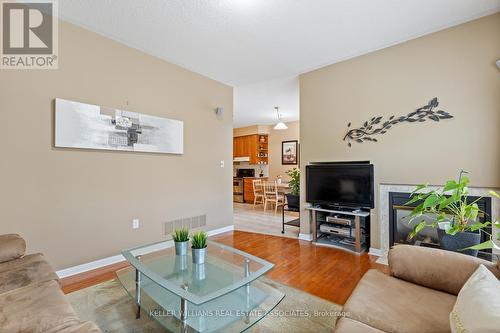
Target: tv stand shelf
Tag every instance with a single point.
(354, 236)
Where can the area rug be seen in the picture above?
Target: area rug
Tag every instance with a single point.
(109, 306)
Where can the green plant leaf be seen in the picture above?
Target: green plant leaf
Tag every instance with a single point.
(413, 199)
(471, 212)
(450, 185)
(417, 229)
(181, 235)
(453, 230)
(495, 194)
(199, 240)
(431, 201)
(478, 225)
(483, 246)
(419, 187)
(464, 180)
(445, 202)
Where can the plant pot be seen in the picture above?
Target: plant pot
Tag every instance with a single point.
(460, 240)
(199, 256)
(293, 200)
(181, 248)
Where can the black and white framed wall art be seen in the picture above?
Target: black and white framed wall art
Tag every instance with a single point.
(80, 125)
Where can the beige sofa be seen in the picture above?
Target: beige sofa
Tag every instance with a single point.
(417, 297)
(31, 300)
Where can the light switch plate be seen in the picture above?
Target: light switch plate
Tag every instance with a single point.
(135, 224)
(221, 164)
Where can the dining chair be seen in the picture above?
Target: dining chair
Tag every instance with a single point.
(271, 195)
(258, 192)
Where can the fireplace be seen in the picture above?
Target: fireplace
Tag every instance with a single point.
(400, 226)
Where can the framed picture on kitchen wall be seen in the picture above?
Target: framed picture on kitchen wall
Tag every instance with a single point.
(290, 152)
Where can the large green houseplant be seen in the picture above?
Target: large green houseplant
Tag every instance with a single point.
(294, 184)
(453, 214)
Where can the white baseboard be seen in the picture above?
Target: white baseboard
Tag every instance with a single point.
(220, 230)
(119, 258)
(89, 266)
(306, 237)
(375, 252)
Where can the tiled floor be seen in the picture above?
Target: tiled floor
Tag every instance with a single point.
(248, 218)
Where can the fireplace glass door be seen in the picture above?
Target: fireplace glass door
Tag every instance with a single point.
(400, 225)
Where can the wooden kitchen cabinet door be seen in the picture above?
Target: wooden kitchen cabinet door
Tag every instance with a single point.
(251, 143)
(239, 146)
(248, 196)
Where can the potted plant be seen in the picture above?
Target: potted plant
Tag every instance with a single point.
(293, 197)
(199, 247)
(453, 214)
(181, 239)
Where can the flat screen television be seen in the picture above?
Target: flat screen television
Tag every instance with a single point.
(340, 184)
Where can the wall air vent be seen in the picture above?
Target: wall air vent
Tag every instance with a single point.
(193, 222)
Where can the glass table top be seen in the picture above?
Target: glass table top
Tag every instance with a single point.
(221, 295)
(223, 272)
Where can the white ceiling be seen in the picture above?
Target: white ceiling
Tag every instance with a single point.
(245, 42)
(254, 103)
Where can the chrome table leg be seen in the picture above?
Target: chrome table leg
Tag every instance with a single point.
(184, 309)
(247, 287)
(138, 290)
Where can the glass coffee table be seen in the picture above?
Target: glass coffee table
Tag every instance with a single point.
(222, 295)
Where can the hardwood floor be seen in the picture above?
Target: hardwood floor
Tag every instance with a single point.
(90, 278)
(328, 273)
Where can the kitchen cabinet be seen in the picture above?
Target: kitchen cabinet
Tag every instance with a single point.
(239, 147)
(255, 147)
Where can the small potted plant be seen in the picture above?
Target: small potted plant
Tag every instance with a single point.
(453, 214)
(181, 239)
(293, 197)
(199, 247)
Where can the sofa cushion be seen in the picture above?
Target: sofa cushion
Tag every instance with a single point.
(394, 305)
(12, 246)
(478, 304)
(435, 268)
(24, 271)
(37, 308)
(347, 325)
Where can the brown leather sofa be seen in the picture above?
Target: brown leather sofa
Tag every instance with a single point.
(417, 297)
(31, 300)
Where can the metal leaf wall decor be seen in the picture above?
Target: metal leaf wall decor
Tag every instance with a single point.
(377, 126)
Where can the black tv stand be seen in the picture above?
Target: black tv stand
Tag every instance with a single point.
(347, 229)
(342, 208)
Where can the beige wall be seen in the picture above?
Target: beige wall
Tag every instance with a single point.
(275, 139)
(77, 205)
(456, 65)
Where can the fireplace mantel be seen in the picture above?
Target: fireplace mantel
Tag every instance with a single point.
(383, 210)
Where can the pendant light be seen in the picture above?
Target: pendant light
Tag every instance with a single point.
(280, 125)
